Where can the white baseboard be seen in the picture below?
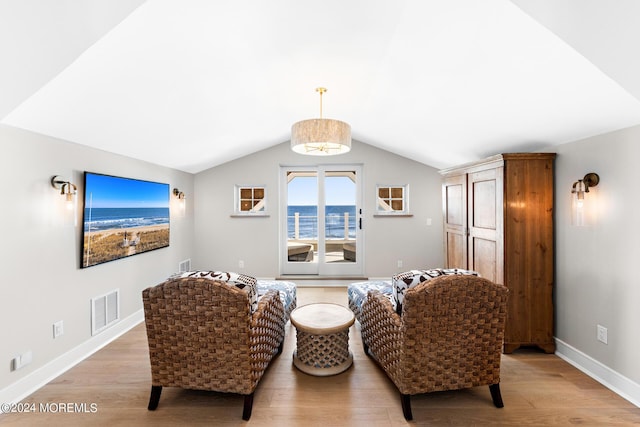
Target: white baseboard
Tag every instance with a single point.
(611, 379)
(22, 388)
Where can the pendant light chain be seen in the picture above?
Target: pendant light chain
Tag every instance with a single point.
(321, 90)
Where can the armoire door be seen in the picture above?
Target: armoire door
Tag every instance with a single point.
(454, 190)
(486, 247)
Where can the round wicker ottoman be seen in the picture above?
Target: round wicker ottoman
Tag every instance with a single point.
(322, 332)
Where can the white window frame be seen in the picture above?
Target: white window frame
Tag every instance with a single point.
(237, 200)
(383, 208)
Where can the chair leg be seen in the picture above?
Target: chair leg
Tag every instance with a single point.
(496, 396)
(155, 397)
(248, 405)
(405, 399)
(365, 347)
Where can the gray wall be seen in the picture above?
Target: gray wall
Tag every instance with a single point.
(595, 283)
(221, 241)
(40, 251)
(41, 281)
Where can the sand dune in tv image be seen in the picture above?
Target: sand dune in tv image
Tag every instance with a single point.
(112, 244)
(123, 217)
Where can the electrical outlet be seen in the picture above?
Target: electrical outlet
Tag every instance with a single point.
(241, 264)
(399, 263)
(428, 222)
(601, 334)
(58, 329)
(22, 360)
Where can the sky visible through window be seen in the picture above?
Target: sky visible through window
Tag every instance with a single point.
(303, 191)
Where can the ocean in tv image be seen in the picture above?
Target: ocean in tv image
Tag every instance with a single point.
(98, 219)
(334, 221)
(123, 217)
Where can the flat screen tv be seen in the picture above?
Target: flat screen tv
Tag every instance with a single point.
(122, 217)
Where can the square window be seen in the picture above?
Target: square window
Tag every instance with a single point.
(392, 199)
(250, 200)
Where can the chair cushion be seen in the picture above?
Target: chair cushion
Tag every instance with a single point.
(402, 282)
(287, 291)
(357, 293)
(243, 282)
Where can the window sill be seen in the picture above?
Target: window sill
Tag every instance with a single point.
(250, 215)
(392, 215)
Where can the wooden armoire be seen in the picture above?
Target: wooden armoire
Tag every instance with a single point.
(498, 221)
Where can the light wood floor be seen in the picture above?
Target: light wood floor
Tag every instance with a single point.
(538, 389)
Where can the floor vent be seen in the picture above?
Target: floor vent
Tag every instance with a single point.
(184, 266)
(105, 310)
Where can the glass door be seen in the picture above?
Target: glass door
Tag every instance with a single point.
(322, 228)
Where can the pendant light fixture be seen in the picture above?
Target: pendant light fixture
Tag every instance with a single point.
(321, 137)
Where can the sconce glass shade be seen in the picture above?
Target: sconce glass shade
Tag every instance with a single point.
(181, 199)
(582, 207)
(69, 191)
(321, 137)
(578, 204)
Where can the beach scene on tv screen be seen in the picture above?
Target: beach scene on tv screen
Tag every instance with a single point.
(123, 217)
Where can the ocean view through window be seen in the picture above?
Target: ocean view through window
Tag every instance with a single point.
(335, 221)
(320, 227)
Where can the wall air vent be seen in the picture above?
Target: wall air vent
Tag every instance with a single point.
(105, 310)
(184, 266)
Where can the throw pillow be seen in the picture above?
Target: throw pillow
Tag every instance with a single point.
(409, 279)
(243, 282)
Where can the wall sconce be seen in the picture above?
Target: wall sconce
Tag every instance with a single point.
(66, 188)
(181, 198)
(579, 207)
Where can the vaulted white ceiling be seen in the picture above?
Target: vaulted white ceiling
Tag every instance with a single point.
(191, 84)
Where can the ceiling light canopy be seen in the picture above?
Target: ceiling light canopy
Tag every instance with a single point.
(321, 137)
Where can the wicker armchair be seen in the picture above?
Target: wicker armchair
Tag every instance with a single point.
(202, 336)
(449, 336)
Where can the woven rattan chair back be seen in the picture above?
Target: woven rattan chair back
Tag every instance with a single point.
(202, 336)
(449, 336)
